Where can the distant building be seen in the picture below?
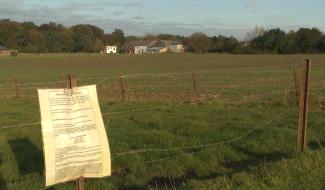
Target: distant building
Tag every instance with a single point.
(4, 51)
(166, 46)
(110, 49)
(154, 47)
(174, 46)
(158, 47)
(138, 47)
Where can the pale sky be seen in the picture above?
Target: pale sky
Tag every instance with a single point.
(138, 17)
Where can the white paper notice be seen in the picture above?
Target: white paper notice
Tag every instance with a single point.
(74, 136)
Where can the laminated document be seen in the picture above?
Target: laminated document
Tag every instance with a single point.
(74, 136)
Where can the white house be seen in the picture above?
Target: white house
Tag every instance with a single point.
(110, 49)
(154, 46)
(166, 46)
(138, 47)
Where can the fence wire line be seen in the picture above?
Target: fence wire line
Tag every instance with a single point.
(35, 88)
(208, 71)
(157, 75)
(223, 89)
(156, 84)
(104, 114)
(204, 145)
(166, 159)
(162, 107)
(194, 147)
(20, 125)
(157, 108)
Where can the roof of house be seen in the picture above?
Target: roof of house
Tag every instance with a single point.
(165, 43)
(3, 48)
(158, 44)
(152, 43)
(171, 42)
(139, 43)
(155, 48)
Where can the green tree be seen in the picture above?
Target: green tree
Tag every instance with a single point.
(35, 42)
(117, 38)
(87, 38)
(223, 44)
(57, 37)
(290, 45)
(272, 41)
(11, 33)
(321, 45)
(307, 39)
(198, 42)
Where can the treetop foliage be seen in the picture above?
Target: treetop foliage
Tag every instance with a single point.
(52, 37)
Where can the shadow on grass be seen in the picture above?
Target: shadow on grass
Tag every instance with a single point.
(132, 187)
(3, 185)
(254, 160)
(2, 181)
(29, 157)
(316, 145)
(171, 182)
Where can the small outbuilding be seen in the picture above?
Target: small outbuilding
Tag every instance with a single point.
(111, 49)
(4, 51)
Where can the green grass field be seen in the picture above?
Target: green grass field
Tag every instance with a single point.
(240, 134)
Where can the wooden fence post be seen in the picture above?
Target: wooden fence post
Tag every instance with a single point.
(62, 80)
(194, 80)
(296, 80)
(72, 82)
(122, 88)
(303, 108)
(16, 85)
(80, 183)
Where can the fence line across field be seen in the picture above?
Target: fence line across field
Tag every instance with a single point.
(133, 111)
(104, 114)
(157, 75)
(174, 84)
(204, 94)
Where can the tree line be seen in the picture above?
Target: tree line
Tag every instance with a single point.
(54, 38)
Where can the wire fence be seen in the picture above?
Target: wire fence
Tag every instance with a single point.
(171, 86)
(178, 87)
(232, 100)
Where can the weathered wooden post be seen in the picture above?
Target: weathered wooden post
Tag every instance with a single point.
(122, 88)
(194, 80)
(72, 82)
(303, 108)
(62, 80)
(16, 85)
(80, 183)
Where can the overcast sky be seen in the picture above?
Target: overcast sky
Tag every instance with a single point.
(137, 17)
